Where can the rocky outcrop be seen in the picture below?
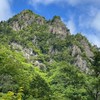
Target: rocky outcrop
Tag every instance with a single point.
(56, 26)
(82, 64)
(40, 65)
(52, 51)
(27, 52)
(75, 50)
(24, 19)
(86, 47)
(78, 59)
(27, 18)
(77, 46)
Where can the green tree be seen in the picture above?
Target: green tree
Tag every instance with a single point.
(93, 80)
(96, 75)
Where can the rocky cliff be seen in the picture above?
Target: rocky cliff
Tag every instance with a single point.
(38, 39)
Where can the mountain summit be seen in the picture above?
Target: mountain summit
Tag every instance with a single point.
(24, 19)
(41, 60)
(27, 18)
(50, 37)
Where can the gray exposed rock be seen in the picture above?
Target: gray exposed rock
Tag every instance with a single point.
(56, 26)
(86, 47)
(79, 61)
(34, 40)
(24, 19)
(27, 18)
(82, 64)
(27, 52)
(16, 46)
(75, 50)
(40, 65)
(52, 50)
(40, 20)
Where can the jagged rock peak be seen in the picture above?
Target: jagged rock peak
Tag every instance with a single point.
(28, 18)
(56, 19)
(57, 26)
(27, 11)
(24, 19)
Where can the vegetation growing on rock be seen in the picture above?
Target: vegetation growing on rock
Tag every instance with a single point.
(41, 60)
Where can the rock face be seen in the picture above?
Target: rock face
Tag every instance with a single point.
(79, 61)
(82, 64)
(24, 19)
(27, 18)
(27, 52)
(40, 65)
(75, 50)
(56, 26)
(86, 47)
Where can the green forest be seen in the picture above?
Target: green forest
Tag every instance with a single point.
(39, 62)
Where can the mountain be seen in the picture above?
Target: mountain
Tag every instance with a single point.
(41, 60)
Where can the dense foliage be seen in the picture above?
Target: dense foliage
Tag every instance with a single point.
(48, 73)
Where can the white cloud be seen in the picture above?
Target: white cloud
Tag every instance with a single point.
(90, 25)
(82, 2)
(71, 2)
(96, 22)
(71, 26)
(44, 2)
(88, 18)
(5, 9)
(94, 39)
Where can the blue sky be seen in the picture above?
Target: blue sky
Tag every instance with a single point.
(78, 15)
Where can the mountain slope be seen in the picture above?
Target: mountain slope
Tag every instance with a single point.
(53, 62)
